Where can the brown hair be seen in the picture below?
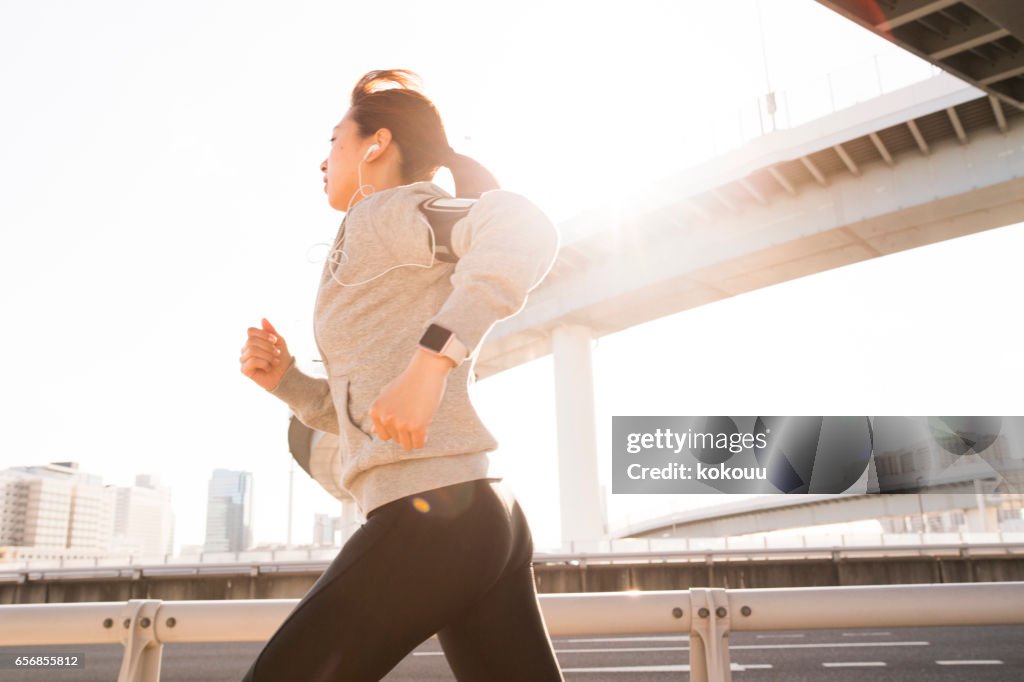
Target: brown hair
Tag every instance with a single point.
(416, 128)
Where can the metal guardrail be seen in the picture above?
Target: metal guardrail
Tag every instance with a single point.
(709, 615)
(256, 568)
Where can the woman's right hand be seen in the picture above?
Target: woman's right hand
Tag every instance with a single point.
(265, 357)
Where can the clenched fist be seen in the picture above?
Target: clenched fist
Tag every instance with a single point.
(265, 356)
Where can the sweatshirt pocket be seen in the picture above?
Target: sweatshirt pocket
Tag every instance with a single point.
(364, 448)
(355, 436)
(456, 428)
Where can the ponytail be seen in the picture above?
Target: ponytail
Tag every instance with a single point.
(417, 129)
(471, 178)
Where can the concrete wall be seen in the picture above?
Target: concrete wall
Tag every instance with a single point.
(557, 579)
(757, 574)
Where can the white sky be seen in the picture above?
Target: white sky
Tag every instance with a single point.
(162, 193)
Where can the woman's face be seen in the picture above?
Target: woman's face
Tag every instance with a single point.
(340, 168)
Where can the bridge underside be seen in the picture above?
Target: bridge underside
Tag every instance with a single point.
(979, 41)
(932, 163)
(821, 512)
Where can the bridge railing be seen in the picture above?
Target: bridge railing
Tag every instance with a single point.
(822, 542)
(621, 545)
(708, 615)
(633, 553)
(820, 96)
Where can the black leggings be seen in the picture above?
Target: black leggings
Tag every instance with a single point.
(455, 561)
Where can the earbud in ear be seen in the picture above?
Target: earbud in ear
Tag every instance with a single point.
(373, 147)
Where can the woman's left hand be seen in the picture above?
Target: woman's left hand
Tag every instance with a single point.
(405, 407)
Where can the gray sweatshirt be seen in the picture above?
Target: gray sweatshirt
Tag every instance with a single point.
(366, 334)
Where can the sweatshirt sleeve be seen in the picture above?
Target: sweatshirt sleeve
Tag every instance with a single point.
(309, 398)
(506, 246)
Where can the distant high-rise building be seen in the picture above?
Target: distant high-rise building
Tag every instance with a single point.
(144, 519)
(55, 505)
(326, 529)
(229, 511)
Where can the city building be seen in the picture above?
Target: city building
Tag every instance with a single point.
(55, 506)
(144, 518)
(229, 511)
(326, 530)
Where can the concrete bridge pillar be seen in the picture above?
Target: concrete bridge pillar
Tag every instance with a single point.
(982, 520)
(350, 520)
(582, 511)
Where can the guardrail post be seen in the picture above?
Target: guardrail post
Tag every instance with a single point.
(142, 650)
(709, 635)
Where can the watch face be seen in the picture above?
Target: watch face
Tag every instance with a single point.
(435, 337)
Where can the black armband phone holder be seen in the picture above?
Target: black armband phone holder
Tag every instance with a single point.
(442, 213)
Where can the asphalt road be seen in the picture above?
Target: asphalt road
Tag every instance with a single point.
(939, 654)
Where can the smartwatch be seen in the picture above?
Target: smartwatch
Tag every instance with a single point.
(444, 342)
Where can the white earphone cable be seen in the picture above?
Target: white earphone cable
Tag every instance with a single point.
(334, 262)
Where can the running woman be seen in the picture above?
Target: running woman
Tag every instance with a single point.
(446, 548)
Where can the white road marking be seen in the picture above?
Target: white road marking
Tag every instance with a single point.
(734, 667)
(794, 636)
(667, 638)
(631, 649)
(610, 650)
(814, 645)
(866, 634)
(818, 645)
(855, 664)
(975, 662)
(632, 669)
(640, 649)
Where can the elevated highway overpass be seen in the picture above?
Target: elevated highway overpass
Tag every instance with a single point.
(932, 161)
